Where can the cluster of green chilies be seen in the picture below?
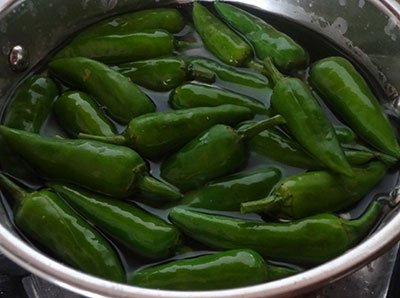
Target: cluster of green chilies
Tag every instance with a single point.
(203, 143)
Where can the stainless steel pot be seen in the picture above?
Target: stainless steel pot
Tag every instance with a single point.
(368, 30)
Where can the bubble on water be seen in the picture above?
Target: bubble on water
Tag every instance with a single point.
(340, 24)
(390, 27)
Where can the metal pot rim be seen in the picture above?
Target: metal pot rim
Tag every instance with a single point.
(76, 281)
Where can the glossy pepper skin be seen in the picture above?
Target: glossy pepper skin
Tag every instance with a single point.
(122, 98)
(275, 144)
(228, 74)
(141, 232)
(221, 41)
(217, 151)
(44, 218)
(191, 95)
(117, 48)
(168, 19)
(316, 192)
(78, 113)
(312, 240)
(347, 93)
(160, 74)
(306, 120)
(109, 169)
(223, 270)
(265, 39)
(156, 134)
(226, 194)
(31, 104)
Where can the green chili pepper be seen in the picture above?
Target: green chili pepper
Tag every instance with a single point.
(306, 121)
(226, 194)
(312, 240)
(345, 135)
(44, 218)
(28, 109)
(109, 169)
(160, 18)
(223, 270)
(118, 48)
(274, 144)
(191, 95)
(219, 39)
(122, 98)
(265, 39)
(347, 93)
(141, 232)
(160, 74)
(228, 74)
(78, 113)
(315, 192)
(156, 134)
(31, 104)
(217, 151)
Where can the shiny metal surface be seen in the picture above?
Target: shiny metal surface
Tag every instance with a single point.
(18, 58)
(368, 30)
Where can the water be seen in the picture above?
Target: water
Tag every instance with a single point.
(317, 47)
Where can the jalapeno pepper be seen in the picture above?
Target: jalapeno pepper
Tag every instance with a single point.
(228, 74)
(316, 192)
(265, 39)
(347, 93)
(141, 232)
(78, 113)
(118, 48)
(306, 121)
(44, 218)
(31, 104)
(274, 144)
(217, 151)
(159, 18)
(109, 169)
(160, 74)
(155, 134)
(223, 270)
(219, 39)
(195, 95)
(311, 240)
(226, 194)
(122, 98)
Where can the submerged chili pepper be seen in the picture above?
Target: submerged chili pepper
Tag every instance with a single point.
(160, 74)
(78, 113)
(141, 232)
(191, 95)
(226, 194)
(347, 93)
(228, 74)
(311, 240)
(28, 109)
(31, 104)
(117, 48)
(109, 169)
(122, 98)
(223, 270)
(316, 192)
(155, 134)
(44, 218)
(217, 151)
(219, 39)
(168, 19)
(306, 120)
(274, 144)
(265, 39)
